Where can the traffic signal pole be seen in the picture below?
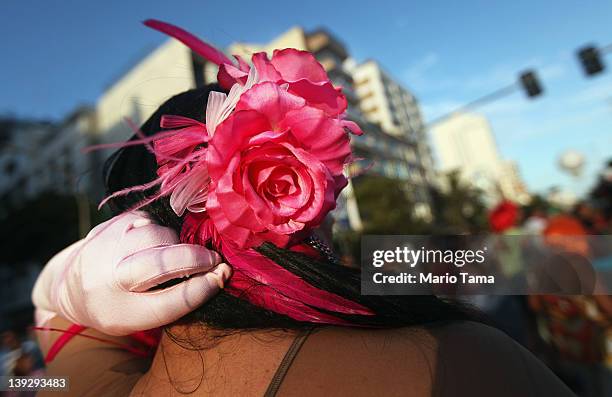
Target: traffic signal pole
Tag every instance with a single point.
(493, 96)
(606, 49)
(590, 57)
(528, 80)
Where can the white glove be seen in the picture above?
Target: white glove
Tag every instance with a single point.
(104, 280)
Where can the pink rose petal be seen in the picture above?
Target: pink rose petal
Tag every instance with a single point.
(294, 65)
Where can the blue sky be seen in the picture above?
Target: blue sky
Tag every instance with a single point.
(59, 54)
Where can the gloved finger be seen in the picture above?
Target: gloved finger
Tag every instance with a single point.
(148, 236)
(174, 302)
(161, 307)
(148, 268)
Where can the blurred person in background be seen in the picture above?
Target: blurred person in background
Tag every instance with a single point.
(508, 312)
(10, 350)
(289, 319)
(504, 221)
(591, 217)
(602, 197)
(535, 217)
(26, 365)
(576, 327)
(19, 354)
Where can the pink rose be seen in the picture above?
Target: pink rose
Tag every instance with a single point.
(303, 74)
(267, 166)
(277, 146)
(275, 167)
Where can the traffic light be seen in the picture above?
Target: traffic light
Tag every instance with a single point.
(590, 59)
(529, 81)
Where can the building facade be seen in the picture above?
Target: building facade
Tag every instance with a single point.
(168, 70)
(20, 140)
(41, 157)
(511, 183)
(385, 102)
(465, 143)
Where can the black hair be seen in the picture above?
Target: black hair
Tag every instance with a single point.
(135, 165)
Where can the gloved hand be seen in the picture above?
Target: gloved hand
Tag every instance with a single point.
(104, 280)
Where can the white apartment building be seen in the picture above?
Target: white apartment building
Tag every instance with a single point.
(465, 142)
(385, 102)
(511, 183)
(165, 72)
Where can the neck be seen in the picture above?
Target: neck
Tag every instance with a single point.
(196, 359)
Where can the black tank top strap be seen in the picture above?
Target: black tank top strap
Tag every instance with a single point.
(284, 366)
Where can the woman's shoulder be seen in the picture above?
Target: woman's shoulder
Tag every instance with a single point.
(479, 359)
(359, 362)
(467, 335)
(421, 346)
(455, 358)
(431, 337)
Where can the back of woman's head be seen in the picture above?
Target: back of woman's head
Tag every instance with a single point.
(135, 165)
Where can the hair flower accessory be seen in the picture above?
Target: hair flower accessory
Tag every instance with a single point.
(266, 166)
(277, 146)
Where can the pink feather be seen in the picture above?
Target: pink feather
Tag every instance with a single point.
(198, 46)
(244, 287)
(174, 121)
(284, 285)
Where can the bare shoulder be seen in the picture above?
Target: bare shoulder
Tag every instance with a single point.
(463, 358)
(410, 345)
(364, 362)
(476, 359)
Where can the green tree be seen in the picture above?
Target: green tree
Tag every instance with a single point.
(459, 208)
(385, 207)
